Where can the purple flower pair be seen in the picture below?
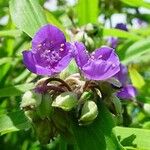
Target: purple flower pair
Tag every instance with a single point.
(127, 91)
(51, 53)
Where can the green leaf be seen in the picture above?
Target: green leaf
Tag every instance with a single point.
(15, 90)
(137, 3)
(27, 15)
(14, 121)
(97, 135)
(120, 33)
(136, 50)
(10, 33)
(5, 60)
(22, 76)
(140, 137)
(136, 79)
(87, 11)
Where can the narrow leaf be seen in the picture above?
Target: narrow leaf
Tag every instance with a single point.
(136, 50)
(120, 33)
(10, 33)
(133, 137)
(14, 121)
(87, 11)
(137, 3)
(136, 79)
(15, 90)
(27, 15)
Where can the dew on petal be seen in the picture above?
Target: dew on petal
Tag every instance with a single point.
(62, 45)
(61, 49)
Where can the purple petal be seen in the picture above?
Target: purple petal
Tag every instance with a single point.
(81, 55)
(100, 70)
(48, 34)
(106, 53)
(127, 92)
(121, 26)
(113, 42)
(31, 64)
(122, 75)
(66, 58)
(63, 63)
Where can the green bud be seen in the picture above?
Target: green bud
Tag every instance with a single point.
(30, 100)
(65, 101)
(87, 95)
(31, 115)
(45, 109)
(45, 131)
(118, 108)
(79, 36)
(89, 42)
(146, 108)
(89, 113)
(91, 29)
(114, 81)
(60, 119)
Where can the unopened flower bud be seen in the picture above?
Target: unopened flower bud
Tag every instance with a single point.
(79, 36)
(31, 115)
(30, 100)
(65, 101)
(146, 108)
(89, 42)
(89, 113)
(45, 131)
(89, 27)
(45, 109)
(87, 95)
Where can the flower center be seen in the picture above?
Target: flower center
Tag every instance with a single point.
(50, 53)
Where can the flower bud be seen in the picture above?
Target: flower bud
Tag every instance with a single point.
(118, 108)
(89, 113)
(79, 36)
(45, 131)
(45, 109)
(30, 100)
(146, 108)
(89, 42)
(65, 101)
(87, 95)
(89, 27)
(31, 115)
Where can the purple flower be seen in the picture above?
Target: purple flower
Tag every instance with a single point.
(121, 26)
(112, 41)
(50, 52)
(127, 92)
(99, 65)
(122, 75)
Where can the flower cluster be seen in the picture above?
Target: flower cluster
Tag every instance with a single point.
(49, 105)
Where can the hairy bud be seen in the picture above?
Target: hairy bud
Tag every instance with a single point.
(89, 113)
(65, 101)
(30, 100)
